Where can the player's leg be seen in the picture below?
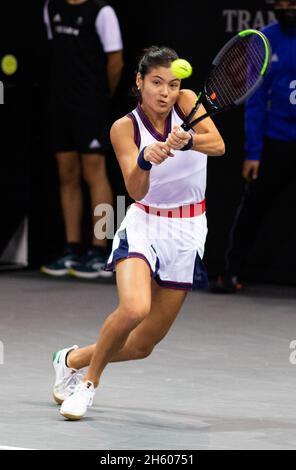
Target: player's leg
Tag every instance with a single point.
(165, 306)
(134, 289)
(138, 344)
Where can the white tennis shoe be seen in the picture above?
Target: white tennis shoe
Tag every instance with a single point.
(66, 377)
(75, 406)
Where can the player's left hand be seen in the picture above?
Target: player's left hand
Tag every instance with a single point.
(177, 138)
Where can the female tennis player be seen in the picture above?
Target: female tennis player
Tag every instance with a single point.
(157, 251)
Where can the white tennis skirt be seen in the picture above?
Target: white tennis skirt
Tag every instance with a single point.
(172, 247)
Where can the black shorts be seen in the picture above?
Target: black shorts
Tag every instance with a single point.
(83, 132)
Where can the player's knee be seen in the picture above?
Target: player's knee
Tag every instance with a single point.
(134, 313)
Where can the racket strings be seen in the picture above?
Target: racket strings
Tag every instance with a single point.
(240, 78)
(236, 71)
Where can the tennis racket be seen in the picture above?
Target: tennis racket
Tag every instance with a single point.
(236, 73)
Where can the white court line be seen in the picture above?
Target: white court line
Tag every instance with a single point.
(13, 448)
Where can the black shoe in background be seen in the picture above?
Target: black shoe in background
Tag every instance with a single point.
(225, 284)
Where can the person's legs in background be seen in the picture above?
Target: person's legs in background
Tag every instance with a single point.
(95, 175)
(71, 194)
(275, 173)
(72, 205)
(84, 131)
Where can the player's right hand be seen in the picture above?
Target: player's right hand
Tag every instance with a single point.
(157, 153)
(178, 138)
(250, 170)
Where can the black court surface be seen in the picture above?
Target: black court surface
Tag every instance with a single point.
(223, 378)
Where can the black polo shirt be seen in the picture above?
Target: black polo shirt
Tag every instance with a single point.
(81, 34)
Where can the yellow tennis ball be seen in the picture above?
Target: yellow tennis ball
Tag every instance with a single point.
(181, 68)
(9, 64)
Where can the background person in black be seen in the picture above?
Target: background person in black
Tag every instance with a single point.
(270, 163)
(86, 67)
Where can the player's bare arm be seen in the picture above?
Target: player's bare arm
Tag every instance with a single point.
(207, 139)
(136, 180)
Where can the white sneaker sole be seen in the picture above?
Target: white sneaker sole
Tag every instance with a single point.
(52, 272)
(70, 416)
(58, 400)
(102, 274)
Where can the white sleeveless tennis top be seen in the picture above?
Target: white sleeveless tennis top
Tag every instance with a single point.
(179, 180)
